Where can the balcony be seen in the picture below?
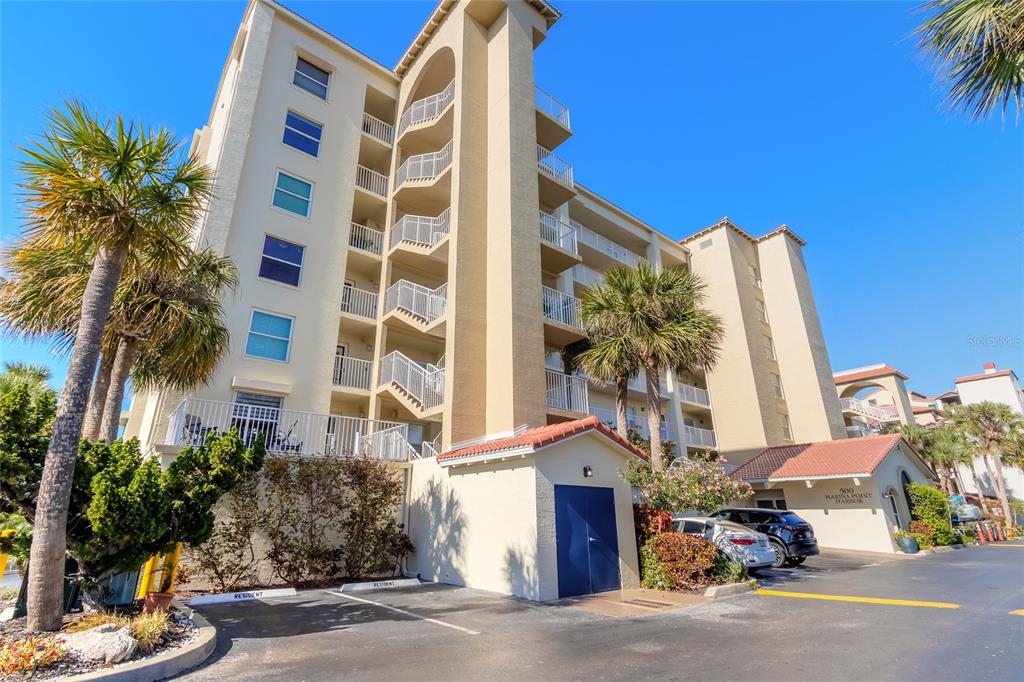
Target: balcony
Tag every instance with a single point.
(288, 432)
(693, 395)
(352, 373)
(561, 317)
(555, 178)
(359, 304)
(858, 431)
(597, 245)
(421, 386)
(372, 182)
(378, 129)
(415, 307)
(864, 409)
(431, 448)
(425, 175)
(558, 244)
(552, 119)
(430, 117)
(698, 438)
(366, 239)
(421, 242)
(566, 393)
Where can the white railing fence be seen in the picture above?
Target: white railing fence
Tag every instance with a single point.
(554, 231)
(586, 276)
(566, 392)
(601, 243)
(374, 127)
(424, 384)
(554, 166)
(359, 302)
(421, 229)
(372, 181)
(391, 444)
(352, 372)
(868, 410)
(366, 239)
(429, 304)
(427, 109)
(698, 437)
(858, 432)
(284, 431)
(692, 394)
(551, 106)
(431, 448)
(424, 166)
(561, 307)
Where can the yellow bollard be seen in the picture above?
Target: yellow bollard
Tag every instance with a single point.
(171, 564)
(146, 577)
(3, 555)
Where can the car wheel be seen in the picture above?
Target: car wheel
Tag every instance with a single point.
(797, 560)
(780, 555)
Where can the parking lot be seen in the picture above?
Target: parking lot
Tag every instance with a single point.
(840, 616)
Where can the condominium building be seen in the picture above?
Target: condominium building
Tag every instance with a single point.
(412, 248)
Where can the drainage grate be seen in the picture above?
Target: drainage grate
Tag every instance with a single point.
(649, 603)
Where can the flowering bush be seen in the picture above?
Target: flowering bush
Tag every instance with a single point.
(31, 653)
(648, 522)
(698, 484)
(676, 561)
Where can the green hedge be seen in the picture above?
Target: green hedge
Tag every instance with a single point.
(930, 507)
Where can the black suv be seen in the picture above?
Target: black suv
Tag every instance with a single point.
(792, 538)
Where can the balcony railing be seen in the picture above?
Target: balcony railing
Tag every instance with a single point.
(352, 372)
(692, 394)
(372, 181)
(554, 231)
(868, 410)
(374, 127)
(359, 302)
(551, 106)
(555, 167)
(560, 307)
(431, 448)
(429, 304)
(639, 425)
(424, 166)
(858, 432)
(697, 437)
(427, 109)
(420, 229)
(366, 239)
(601, 243)
(423, 383)
(586, 276)
(284, 431)
(566, 392)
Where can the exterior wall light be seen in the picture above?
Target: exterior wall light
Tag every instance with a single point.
(588, 472)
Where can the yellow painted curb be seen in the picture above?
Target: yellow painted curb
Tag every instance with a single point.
(864, 600)
(1017, 612)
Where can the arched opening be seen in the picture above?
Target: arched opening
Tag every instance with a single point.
(435, 76)
(894, 508)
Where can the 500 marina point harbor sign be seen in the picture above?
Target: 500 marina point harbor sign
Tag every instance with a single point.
(850, 497)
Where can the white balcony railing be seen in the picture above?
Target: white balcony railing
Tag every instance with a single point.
(554, 231)
(553, 166)
(429, 304)
(372, 181)
(697, 437)
(566, 392)
(586, 276)
(359, 302)
(560, 307)
(639, 424)
(868, 410)
(366, 239)
(551, 106)
(352, 372)
(427, 109)
(393, 443)
(692, 394)
(424, 166)
(606, 416)
(284, 431)
(420, 229)
(431, 448)
(606, 246)
(858, 432)
(423, 383)
(374, 127)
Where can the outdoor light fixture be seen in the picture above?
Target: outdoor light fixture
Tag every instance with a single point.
(588, 472)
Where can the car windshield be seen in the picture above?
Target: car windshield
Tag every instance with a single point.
(792, 519)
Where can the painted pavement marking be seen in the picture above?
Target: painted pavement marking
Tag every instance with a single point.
(403, 612)
(1017, 612)
(864, 600)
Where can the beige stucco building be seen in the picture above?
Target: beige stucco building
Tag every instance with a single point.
(412, 249)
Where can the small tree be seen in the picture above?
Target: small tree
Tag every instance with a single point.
(375, 542)
(930, 506)
(697, 484)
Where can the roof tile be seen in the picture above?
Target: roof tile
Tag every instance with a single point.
(846, 457)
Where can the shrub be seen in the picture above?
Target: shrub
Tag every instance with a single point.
(677, 561)
(96, 619)
(30, 654)
(924, 541)
(375, 542)
(146, 628)
(931, 507)
(726, 571)
(698, 484)
(648, 522)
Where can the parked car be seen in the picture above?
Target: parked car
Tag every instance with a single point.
(792, 539)
(738, 543)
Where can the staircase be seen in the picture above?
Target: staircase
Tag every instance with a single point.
(419, 388)
(418, 306)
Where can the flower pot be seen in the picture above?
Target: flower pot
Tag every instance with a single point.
(906, 545)
(157, 601)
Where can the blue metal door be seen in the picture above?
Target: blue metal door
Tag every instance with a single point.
(586, 540)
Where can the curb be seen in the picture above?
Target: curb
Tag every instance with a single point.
(719, 591)
(161, 667)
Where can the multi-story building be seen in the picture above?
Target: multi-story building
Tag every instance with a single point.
(412, 249)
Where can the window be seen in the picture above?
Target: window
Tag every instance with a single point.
(705, 244)
(301, 133)
(292, 194)
(311, 78)
(762, 312)
(269, 336)
(769, 347)
(755, 275)
(281, 261)
(777, 386)
(786, 432)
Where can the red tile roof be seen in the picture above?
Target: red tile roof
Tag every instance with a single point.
(874, 372)
(827, 459)
(923, 409)
(541, 437)
(975, 377)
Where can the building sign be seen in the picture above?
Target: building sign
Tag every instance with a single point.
(850, 497)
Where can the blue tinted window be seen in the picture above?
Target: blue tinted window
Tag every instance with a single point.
(269, 336)
(311, 78)
(302, 134)
(281, 261)
(293, 194)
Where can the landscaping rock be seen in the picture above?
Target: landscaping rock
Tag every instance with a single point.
(107, 643)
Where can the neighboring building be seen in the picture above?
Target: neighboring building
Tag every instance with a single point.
(885, 401)
(411, 253)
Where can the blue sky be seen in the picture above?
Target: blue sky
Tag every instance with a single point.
(819, 115)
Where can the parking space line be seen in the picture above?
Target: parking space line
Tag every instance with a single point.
(999, 545)
(1017, 612)
(864, 600)
(403, 612)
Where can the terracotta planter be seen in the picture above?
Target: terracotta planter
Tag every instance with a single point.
(157, 601)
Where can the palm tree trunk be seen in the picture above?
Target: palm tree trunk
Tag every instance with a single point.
(1004, 499)
(654, 416)
(127, 349)
(49, 543)
(621, 396)
(991, 477)
(97, 398)
(977, 484)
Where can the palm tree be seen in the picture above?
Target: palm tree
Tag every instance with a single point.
(978, 48)
(990, 425)
(32, 377)
(129, 195)
(916, 435)
(946, 450)
(657, 317)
